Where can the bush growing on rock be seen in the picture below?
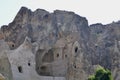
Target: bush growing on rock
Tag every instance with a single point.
(101, 74)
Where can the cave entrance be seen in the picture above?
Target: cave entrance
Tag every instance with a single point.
(44, 57)
(20, 69)
(76, 49)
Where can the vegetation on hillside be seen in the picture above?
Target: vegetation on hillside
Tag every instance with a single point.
(101, 74)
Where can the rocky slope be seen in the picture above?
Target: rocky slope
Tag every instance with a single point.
(106, 41)
(97, 44)
(41, 25)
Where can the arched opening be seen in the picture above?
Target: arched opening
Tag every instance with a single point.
(48, 57)
(29, 64)
(76, 49)
(20, 69)
(44, 58)
(74, 66)
(13, 45)
(57, 55)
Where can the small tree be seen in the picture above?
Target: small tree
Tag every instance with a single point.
(101, 74)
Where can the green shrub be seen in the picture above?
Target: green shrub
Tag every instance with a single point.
(101, 74)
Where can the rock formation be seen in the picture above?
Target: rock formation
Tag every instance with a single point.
(5, 67)
(58, 46)
(2, 77)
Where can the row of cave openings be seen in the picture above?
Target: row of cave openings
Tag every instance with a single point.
(48, 58)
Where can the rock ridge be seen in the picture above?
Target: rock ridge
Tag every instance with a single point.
(59, 45)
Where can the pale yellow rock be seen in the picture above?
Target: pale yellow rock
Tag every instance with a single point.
(2, 77)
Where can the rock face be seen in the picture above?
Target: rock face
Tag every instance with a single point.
(106, 46)
(59, 46)
(5, 67)
(43, 27)
(2, 77)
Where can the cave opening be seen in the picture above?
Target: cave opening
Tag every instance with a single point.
(57, 55)
(29, 64)
(20, 69)
(13, 45)
(76, 49)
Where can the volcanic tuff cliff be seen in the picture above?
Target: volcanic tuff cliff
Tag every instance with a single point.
(62, 44)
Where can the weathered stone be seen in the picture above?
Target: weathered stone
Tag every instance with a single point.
(105, 46)
(5, 66)
(44, 27)
(59, 46)
(2, 77)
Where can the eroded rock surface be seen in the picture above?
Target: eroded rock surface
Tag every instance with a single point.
(43, 27)
(2, 77)
(5, 66)
(59, 46)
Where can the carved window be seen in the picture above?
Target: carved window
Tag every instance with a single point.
(57, 54)
(48, 57)
(20, 69)
(29, 64)
(76, 49)
(74, 66)
(13, 45)
(65, 55)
